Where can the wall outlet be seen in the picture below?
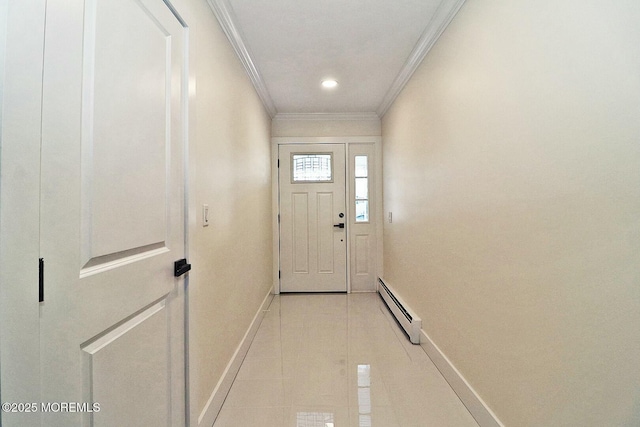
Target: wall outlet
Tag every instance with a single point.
(390, 217)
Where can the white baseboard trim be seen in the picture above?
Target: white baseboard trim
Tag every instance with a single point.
(474, 403)
(218, 395)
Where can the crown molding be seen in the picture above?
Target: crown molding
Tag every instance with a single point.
(444, 15)
(225, 16)
(441, 19)
(328, 116)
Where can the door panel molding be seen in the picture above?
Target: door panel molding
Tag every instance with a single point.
(300, 214)
(326, 252)
(118, 141)
(108, 262)
(111, 360)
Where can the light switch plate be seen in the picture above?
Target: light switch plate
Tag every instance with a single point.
(205, 215)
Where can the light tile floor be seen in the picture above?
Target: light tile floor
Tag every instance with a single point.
(334, 360)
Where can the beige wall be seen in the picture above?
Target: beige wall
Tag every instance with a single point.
(231, 172)
(318, 128)
(512, 168)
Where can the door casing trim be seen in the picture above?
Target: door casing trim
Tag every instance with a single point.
(275, 195)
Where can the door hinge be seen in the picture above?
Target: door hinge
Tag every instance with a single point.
(278, 162)
(278, 218)
(279, 274)
(41, 280)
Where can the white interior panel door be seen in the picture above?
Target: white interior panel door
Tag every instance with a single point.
(112, 213)
(312, 218)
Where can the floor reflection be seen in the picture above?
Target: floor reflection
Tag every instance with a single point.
(364, 396)
(337, 360)
(314, 419)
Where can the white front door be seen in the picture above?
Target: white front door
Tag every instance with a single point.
(313, 218)
(112, 214)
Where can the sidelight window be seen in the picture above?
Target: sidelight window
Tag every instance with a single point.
(362, 188)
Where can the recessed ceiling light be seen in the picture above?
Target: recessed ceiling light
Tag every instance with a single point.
(330, 83)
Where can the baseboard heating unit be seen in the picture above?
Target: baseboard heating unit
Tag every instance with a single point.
(411, 323)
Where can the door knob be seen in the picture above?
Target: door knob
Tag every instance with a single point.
(341, 225)
(180, 267)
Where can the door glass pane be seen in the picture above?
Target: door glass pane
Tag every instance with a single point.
(362, 210)
(362, 188)
(311, 168)
(361, 166)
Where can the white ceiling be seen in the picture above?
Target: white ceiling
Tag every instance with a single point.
(371, 47)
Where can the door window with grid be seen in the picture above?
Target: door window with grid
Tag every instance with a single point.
(311, 168)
